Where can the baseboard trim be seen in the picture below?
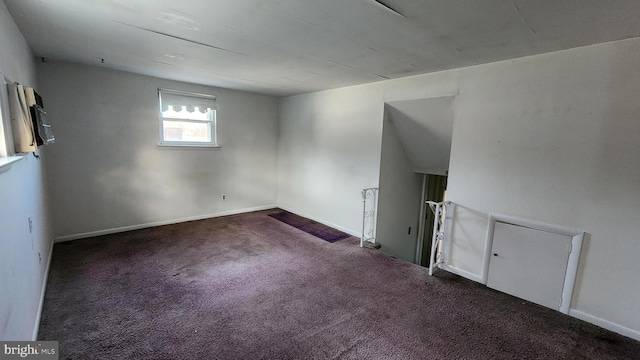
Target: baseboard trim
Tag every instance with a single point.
(460, 272)
(622, 330)
(338, 227)
(45, 279)
(159, 223)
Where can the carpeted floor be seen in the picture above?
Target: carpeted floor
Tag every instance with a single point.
(251, 287)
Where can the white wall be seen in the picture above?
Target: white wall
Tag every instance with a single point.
(552, 138)
(328, 151)
(24, 256)
(425, 128)
(399, 196)
(555, 138)
(106, 172)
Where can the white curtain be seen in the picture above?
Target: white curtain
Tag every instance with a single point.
(190, 101)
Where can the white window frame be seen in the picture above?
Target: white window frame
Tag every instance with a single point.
(212, 121)
(7, 153)
(6, 138)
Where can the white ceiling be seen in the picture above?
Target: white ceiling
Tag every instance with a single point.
(285, 47)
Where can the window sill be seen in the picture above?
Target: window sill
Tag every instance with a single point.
(6, 162)
(189, 146)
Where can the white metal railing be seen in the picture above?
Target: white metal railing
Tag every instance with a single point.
(369, 208)
(439, 225)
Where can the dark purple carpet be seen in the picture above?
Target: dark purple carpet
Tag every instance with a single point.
(309, 226)
(251, 287)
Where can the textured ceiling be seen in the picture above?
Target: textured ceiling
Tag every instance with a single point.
(285, 47)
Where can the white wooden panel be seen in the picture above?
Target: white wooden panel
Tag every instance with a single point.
(529, 263)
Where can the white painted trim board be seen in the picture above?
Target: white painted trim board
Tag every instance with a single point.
(45, 279)
(159, 223)
(625, 331)
(606, 324)
(460, 272)
(338, 227)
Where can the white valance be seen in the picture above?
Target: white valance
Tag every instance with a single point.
(182, 101)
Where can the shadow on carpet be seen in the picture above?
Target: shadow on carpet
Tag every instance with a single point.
(309, 226)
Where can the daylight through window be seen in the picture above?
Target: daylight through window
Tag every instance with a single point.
(187, 119)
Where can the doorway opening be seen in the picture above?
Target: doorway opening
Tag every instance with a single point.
(416, 140)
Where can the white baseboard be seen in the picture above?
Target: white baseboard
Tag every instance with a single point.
(159, 223)
(338, 227)
(622, 330)
(36, 326)
(463, 273)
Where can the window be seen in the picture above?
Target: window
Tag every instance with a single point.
(187, 119)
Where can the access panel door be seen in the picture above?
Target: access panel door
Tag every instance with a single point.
(529, 263)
